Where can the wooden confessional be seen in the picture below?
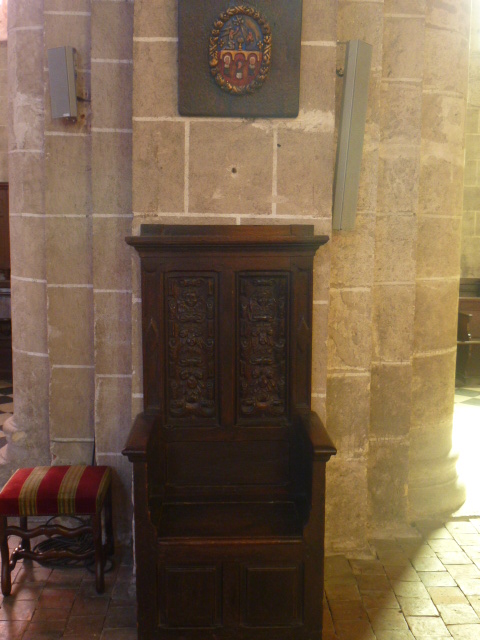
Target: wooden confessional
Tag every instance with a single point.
(229, 461)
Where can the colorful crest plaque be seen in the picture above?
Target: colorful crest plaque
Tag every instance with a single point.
(240, 50)
(239, 58)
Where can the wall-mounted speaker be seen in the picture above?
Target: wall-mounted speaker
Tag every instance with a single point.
(61, 70)
(351, 132)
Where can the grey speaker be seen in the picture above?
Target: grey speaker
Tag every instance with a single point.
(351, 133)
(61, 70)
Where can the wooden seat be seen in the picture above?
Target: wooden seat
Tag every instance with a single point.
(230, 520)
(229, 461)
(56, 491)
(468, 333)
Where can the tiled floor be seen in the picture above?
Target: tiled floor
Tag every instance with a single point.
(46, 604)
(415, 588)
(468, 395)
(418, 588)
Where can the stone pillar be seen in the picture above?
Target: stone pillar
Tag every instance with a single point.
(433, 482)
(3, 111)
(395, 264)
(69, 247)
(112, 70)
(27, 431)
(470, 263)
(350, 316)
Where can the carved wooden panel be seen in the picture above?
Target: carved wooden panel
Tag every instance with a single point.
(263, 326)
(191, 327)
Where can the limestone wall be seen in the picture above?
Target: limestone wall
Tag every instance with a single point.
(471, 202)
(71, 270)
(384, 297)
(3, 112)
(394, 279)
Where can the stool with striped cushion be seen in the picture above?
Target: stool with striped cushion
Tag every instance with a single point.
(56, 491)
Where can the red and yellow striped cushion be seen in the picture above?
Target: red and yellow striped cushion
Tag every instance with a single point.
(48, 491)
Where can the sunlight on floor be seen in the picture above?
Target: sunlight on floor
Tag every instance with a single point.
(466, 441)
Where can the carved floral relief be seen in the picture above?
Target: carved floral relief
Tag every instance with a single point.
(191, 385)
(263, 345)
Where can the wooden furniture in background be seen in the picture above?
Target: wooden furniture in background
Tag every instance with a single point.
(229, 461)
(468, 335)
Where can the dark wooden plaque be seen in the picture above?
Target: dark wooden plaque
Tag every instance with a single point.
(239, 59)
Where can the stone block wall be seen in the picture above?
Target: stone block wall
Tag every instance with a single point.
(230, 170)
(3, 112)
(471, 197)
(71, 270)
(394, 278)
(384, 293)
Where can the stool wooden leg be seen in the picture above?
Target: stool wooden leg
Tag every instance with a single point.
(110, 546)
(99, 555)
(24, 525)
(6, 577)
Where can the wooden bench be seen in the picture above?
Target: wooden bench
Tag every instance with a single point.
(468, 335)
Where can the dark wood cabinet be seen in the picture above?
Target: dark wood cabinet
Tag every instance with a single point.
(229, 461)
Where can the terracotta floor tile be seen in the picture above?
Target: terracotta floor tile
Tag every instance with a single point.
(12, 630)
(427, 564)
(56, 598)
(50, 614)
(37, 634)
(88, 626)
(342, 591)
(31, 571)
(387, 619)
(380, 599)
(475, 602)
(127, 634)
(17, 609)
(423, 551)
(417, 606)
(90, 605)
(124, 616)
(348, 611)
(454, 558)
(447, 595)
(44, 626)
(459, 527)
(458, 614)
(65, 578)
(30, 591)
(470, 587)
(393, 634)
(409, 589)
(468, 539)
(354, 631)
(336, 566)
(439, 533)
(427, 628)
(404, 574)
(373, 583)
(436, 579)
(367, 567)
(445, 546)
(465, 631)
(463, 571)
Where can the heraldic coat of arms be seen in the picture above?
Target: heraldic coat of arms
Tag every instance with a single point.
(240, 50)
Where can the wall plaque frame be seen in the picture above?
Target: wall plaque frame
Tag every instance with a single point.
(239, 59)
